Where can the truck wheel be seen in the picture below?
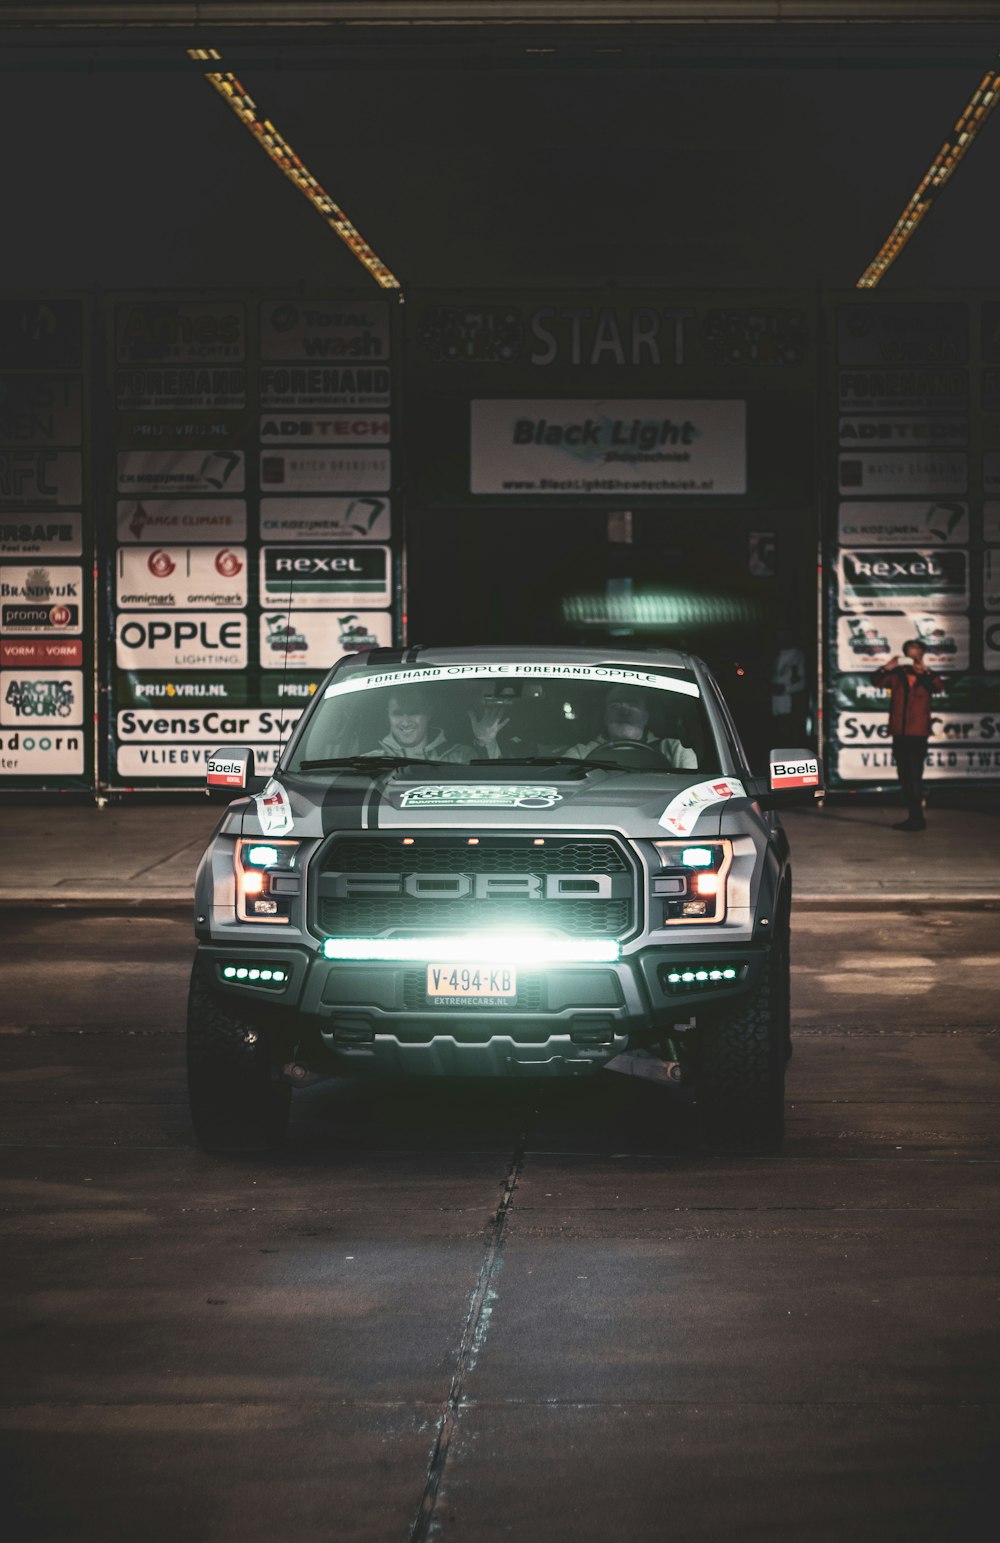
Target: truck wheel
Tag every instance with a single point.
(237, 1102)
(741, 1076)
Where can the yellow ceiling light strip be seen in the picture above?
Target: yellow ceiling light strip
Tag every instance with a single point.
(974, 115)
(284, 157)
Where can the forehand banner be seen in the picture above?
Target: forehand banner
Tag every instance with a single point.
(601, 447)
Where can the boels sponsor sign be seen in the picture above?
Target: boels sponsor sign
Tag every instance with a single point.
(789, 770)
(882, 579)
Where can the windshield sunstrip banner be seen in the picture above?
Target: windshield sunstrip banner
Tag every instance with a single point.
(612, 675)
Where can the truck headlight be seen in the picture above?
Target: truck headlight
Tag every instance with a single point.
(691, 886)
(267, 880)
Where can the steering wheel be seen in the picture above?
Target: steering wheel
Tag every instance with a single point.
(638, 753)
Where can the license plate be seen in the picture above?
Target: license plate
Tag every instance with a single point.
(475, 985)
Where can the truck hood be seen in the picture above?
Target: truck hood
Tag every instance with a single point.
(650, 804)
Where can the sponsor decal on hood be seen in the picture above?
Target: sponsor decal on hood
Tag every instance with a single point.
(274, 810)
(681, 814)
(492, 795)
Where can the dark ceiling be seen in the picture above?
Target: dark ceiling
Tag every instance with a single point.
(496, 156)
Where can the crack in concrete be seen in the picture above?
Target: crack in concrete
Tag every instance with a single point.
(477, 1326)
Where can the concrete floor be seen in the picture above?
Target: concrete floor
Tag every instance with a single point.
(504, 1311)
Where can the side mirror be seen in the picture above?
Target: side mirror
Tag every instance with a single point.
(795, 777)
(229, 771)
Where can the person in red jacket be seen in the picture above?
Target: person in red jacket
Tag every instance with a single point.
(911, 685)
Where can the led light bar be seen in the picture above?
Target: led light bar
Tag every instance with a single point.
(941, 169)
(274, 976)
(485, 948)
(702, 977)
(238, 99)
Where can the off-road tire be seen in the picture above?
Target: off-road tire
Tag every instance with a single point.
(238, 1102)
(743, 1052)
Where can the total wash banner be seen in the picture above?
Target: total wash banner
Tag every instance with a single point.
(600, 447)
(250, 543)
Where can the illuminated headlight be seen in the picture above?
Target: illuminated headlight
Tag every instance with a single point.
(267, 880)
(488, 947)
(691, 884)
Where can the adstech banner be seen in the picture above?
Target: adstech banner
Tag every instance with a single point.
(599, 447)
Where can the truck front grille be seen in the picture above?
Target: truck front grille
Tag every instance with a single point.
(361, 889)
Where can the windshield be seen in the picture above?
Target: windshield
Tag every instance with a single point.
(512, 714)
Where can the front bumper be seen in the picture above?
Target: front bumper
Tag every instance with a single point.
(566, 1020)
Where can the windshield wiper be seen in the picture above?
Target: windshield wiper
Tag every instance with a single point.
(547, 760)
(368, 762)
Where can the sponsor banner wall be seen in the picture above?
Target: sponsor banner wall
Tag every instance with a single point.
(903, 522)
(884, 577)
(622, 374)
(315, 578)
(47, 535)
(156, 520)
(46, 542)
(40, 409)
(302, 640)
(329, 428)
(181, 471)
(181, 577)
(253, 543)
(873, 639)
(189, 640)
(41, 697)
(35, 481)
(549, 447)
(180, 762)
(909, 550)
(318, 520)
(325, 471)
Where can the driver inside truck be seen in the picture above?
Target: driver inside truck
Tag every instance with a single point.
(626, 718)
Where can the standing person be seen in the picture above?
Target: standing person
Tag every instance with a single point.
(911, 685)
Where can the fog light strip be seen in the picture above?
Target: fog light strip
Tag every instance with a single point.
(508, 949)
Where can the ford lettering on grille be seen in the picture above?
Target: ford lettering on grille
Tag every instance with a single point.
(481, 886)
